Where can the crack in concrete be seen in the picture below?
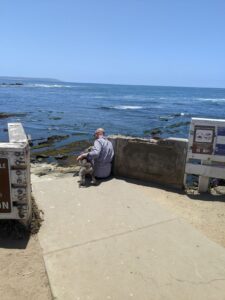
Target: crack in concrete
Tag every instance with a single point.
(200, 282)
(108, 237)
(197, 282)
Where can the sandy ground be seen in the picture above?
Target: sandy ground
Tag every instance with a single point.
(23, 275)
(206, 212)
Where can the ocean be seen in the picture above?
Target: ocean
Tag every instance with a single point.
(50, 107)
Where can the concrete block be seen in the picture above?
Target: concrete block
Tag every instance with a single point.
(161, 162)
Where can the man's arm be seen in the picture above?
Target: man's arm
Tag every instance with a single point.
(95, 152)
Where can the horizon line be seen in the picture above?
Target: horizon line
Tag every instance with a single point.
(102, 83)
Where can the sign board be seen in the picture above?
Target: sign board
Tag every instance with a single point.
(15, 187)
(5, 199)
(206, 145)
(203, 139)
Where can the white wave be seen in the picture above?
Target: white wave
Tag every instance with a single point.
(157, 106)
(99, 97)
(182, 114)
(50, 85)
(129, 97)
(211, 99)
(127, 107)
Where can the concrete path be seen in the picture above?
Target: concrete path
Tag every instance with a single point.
(113, 242)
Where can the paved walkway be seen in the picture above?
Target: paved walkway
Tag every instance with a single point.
(113, 242)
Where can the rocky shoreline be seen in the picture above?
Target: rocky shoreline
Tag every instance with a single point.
(46, 158)
(4, 115)
(11, 84)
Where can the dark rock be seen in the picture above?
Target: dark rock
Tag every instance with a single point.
(79, 133)
(55, 118)
(179, 124)
(41, 156)
(55, 138)
(42, 173)
(147, 132)
(69, 151)
(12, 84)
(60, 156)
(4, 115)
(156, 131)
(50, 141)
(42, 142)
(165, 118)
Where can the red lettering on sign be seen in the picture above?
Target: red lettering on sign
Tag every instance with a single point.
(5, 199)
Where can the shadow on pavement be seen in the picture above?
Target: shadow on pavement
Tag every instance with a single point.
(14, 235)
(99, 181)
(152, 185)
(207, 197)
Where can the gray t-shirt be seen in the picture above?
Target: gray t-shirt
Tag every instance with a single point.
(102, 154)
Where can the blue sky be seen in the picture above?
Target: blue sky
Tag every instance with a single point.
(160, 42)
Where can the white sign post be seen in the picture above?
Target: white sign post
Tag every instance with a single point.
(206, 151)
(15, 185)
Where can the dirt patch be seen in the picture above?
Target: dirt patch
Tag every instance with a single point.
(206, 211)
(23, 274)
(37, 218)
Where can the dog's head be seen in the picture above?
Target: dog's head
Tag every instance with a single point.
(83, 162)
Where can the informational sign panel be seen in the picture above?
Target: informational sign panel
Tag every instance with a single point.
(206, 150)
(15, 187)
(203, 139)
(5, 199)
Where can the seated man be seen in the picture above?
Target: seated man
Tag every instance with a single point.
(101, 155)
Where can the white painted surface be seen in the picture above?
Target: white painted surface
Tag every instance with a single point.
(17, 153)
(203, 184)
(206, 169)
(16, 133)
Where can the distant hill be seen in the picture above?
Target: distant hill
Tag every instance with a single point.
(12, 78)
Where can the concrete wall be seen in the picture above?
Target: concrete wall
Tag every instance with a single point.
(161, 162)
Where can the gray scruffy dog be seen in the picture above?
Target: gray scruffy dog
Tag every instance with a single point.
(85, 169)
